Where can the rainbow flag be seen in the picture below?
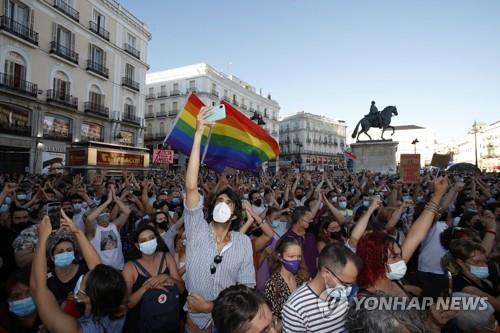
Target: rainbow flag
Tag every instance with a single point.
(235, 142)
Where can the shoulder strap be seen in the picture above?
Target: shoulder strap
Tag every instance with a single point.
(141, 268)
(162, 260)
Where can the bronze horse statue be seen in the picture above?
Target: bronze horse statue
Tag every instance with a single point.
(366, 123)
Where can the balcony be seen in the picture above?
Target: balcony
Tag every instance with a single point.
(175, 92)
(99, 30)
(173, 113)
(149, 115)
(161, 114)
(67, 9)
(21, 131)
(162, 94)
(95, 108)
(18, 29)
(132, 50)
(191, 89)
(130, 118)
(214, 93)
(14, 84)
(64, 52)
(151, 96)
(61, 98)
(97, 68)
(129, 83)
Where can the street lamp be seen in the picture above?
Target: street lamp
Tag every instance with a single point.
(414, 143)
(474, 131)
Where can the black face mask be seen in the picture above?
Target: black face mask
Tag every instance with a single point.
(257, 202)
(299, 196)
(18, 227)
(337, 235)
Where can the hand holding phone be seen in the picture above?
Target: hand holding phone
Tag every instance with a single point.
(218, 112)
(54, 213)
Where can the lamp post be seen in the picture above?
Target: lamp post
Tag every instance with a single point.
(474, 131)
(414, 143)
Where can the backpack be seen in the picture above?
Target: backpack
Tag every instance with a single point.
(159, 309)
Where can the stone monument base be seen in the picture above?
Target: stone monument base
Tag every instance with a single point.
(375, 156)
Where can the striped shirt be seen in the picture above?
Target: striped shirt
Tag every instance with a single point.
(307, 312)
(236, 266)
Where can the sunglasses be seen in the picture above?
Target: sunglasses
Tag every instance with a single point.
(213, 267)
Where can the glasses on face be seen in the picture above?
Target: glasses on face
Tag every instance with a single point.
(346, 284)
(213, 267)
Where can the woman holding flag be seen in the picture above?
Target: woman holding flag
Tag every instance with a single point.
(216, 256)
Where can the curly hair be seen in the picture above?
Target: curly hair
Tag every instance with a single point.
(277, 255)
(373, 249)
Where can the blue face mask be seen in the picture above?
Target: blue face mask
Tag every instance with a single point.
(8, 200)
(481, 272)
(64, 259)
(4, 208)
(149, 247)
(176, 201)
(184, 242)
(23, 307)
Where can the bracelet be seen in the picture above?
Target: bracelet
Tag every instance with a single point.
(492, 232)
(433, 209)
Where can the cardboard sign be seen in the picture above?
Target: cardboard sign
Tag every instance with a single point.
(409, 168)
(440, 160)
(163, 156)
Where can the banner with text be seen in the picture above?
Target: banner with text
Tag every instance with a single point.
(163, 156)
(409, 168)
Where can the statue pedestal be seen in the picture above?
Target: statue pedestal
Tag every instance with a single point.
(375, 156)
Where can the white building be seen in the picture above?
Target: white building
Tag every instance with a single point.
(405, 135)
(168, 90)
(72, 70)
(487, 139)
(312, 140)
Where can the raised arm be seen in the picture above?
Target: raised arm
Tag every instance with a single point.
(422, 225)
(360, 227)
(51, 315)
(121, 220)
(193, 168)
(338, 216)
(89, 254)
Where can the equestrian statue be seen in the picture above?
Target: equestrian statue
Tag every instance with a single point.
(378, 119)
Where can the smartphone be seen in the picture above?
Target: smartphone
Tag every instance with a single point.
(218, 113)
(54, 213)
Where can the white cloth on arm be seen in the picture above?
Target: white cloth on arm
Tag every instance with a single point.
(236, 266)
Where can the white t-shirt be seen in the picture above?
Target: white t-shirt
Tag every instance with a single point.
(108, 244)
(431, 250)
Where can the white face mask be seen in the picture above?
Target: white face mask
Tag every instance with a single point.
(398, 270)
(222, 212)
(342, 204)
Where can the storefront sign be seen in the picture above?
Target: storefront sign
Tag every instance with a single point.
(77, 157)
(109, 158)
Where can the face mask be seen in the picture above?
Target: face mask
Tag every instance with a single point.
(291, 265)
(77, 207)
(21, 197)
(299, 196)
(18, 227)
(64, 259)
(371, 191)
(336, 235)
(342, 204)
(339, 292)
(23, 307)
(103, 219)
(149, 247)
(258, 202)
(398, 270)
(184, 242)
(4, 208)
(176, 201)
(276, 224)
(481, 272)
(406, 198)
(8, 200)
(222, 212)
(245, 196)
(77, 288)
(366, 203)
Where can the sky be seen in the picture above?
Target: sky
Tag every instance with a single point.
(438, 62)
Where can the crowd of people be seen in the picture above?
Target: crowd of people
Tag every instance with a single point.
(238, 252)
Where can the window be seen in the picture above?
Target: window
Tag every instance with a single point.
(225, 93)
(175, 106)
(97, 55)
(150, 108)
(127, 138)
(214, 87)
(14, 118)
(15, 69)
(162, 107)
(56, 126)
(176, 86)
(149, 130)
(131, 40)
(163, 89)
(162, 127)
(129, 71)
(63, 37)
(95, 96)
(99, 20)
(17, 11)
(61, 85)
(151, 91)
(192, 84)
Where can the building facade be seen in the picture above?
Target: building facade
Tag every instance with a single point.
(167, 91)
(70, 71)
(483, 136)
(313, 141)
(405, 135)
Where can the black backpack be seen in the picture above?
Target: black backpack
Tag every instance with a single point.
(159, 309)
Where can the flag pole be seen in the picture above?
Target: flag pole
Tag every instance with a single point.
(206, 145)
